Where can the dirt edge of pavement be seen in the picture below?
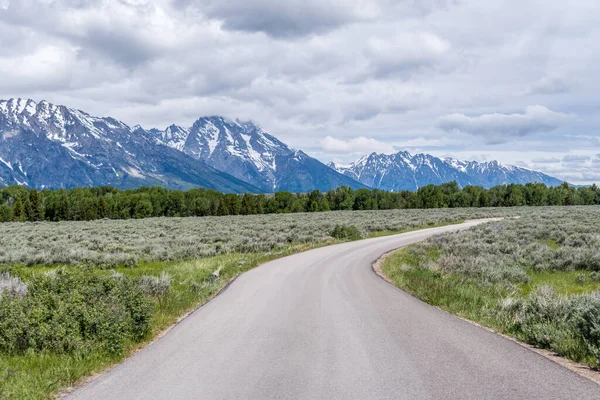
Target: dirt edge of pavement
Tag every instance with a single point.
(579, 369)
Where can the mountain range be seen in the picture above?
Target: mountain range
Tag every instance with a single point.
(48, 146)
(51, 146)
(403, 171)
(246, 151)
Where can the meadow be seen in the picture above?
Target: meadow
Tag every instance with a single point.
(77, 297)
(112, 243)
(536, 278)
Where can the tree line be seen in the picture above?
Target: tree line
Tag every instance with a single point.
(18, 203)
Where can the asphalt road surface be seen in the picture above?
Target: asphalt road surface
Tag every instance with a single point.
(322, 325)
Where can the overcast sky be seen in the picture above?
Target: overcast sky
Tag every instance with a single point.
(513, 80)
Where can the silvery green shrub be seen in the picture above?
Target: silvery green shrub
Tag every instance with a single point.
(12, 286)
(586, 319)
(156, 286)
(113, 243)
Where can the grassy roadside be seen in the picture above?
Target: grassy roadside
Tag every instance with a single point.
(450, 292)
(554, 310)
(36, 375)
(40, 375)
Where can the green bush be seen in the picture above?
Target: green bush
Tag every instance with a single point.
(345, 232)
(586, 318)
(72, 309)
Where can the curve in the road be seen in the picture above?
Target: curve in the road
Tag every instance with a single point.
(322, 325)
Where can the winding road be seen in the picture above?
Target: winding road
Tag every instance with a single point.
(322, 325)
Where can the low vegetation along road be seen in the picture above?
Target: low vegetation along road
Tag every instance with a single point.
(322, 325)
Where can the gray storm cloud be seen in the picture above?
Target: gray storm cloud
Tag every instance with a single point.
(501, 127)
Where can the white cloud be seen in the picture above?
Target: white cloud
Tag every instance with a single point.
(575, 158)
(48, 67)
(550, 160)
(498, 128)
(548, 85)
(404, 53)
(359, 145)
(577, 168)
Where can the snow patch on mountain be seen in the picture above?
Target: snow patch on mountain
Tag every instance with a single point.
(9, 165)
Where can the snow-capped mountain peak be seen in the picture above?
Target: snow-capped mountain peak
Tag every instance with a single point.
(58, 123)
(456, 163)
(246, 151)
(337, 166)
(12, 108)
(47, 145)
(175, 136)
(403, 171)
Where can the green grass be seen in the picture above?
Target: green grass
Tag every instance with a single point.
(41, 376)
(447, 291)
(553, 244)
(563, 282)
(38, 376)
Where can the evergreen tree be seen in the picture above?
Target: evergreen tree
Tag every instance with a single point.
(102, 207)
(63, 212)
(222, 208)
(37, 206)
(5, 213)
(247, 205)
(19, 210)
(143, 209)
(19, 203)
(175, 204)
(484, 199)
(202, 207)
(28, 210)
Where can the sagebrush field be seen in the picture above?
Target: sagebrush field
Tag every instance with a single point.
(110, 243)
